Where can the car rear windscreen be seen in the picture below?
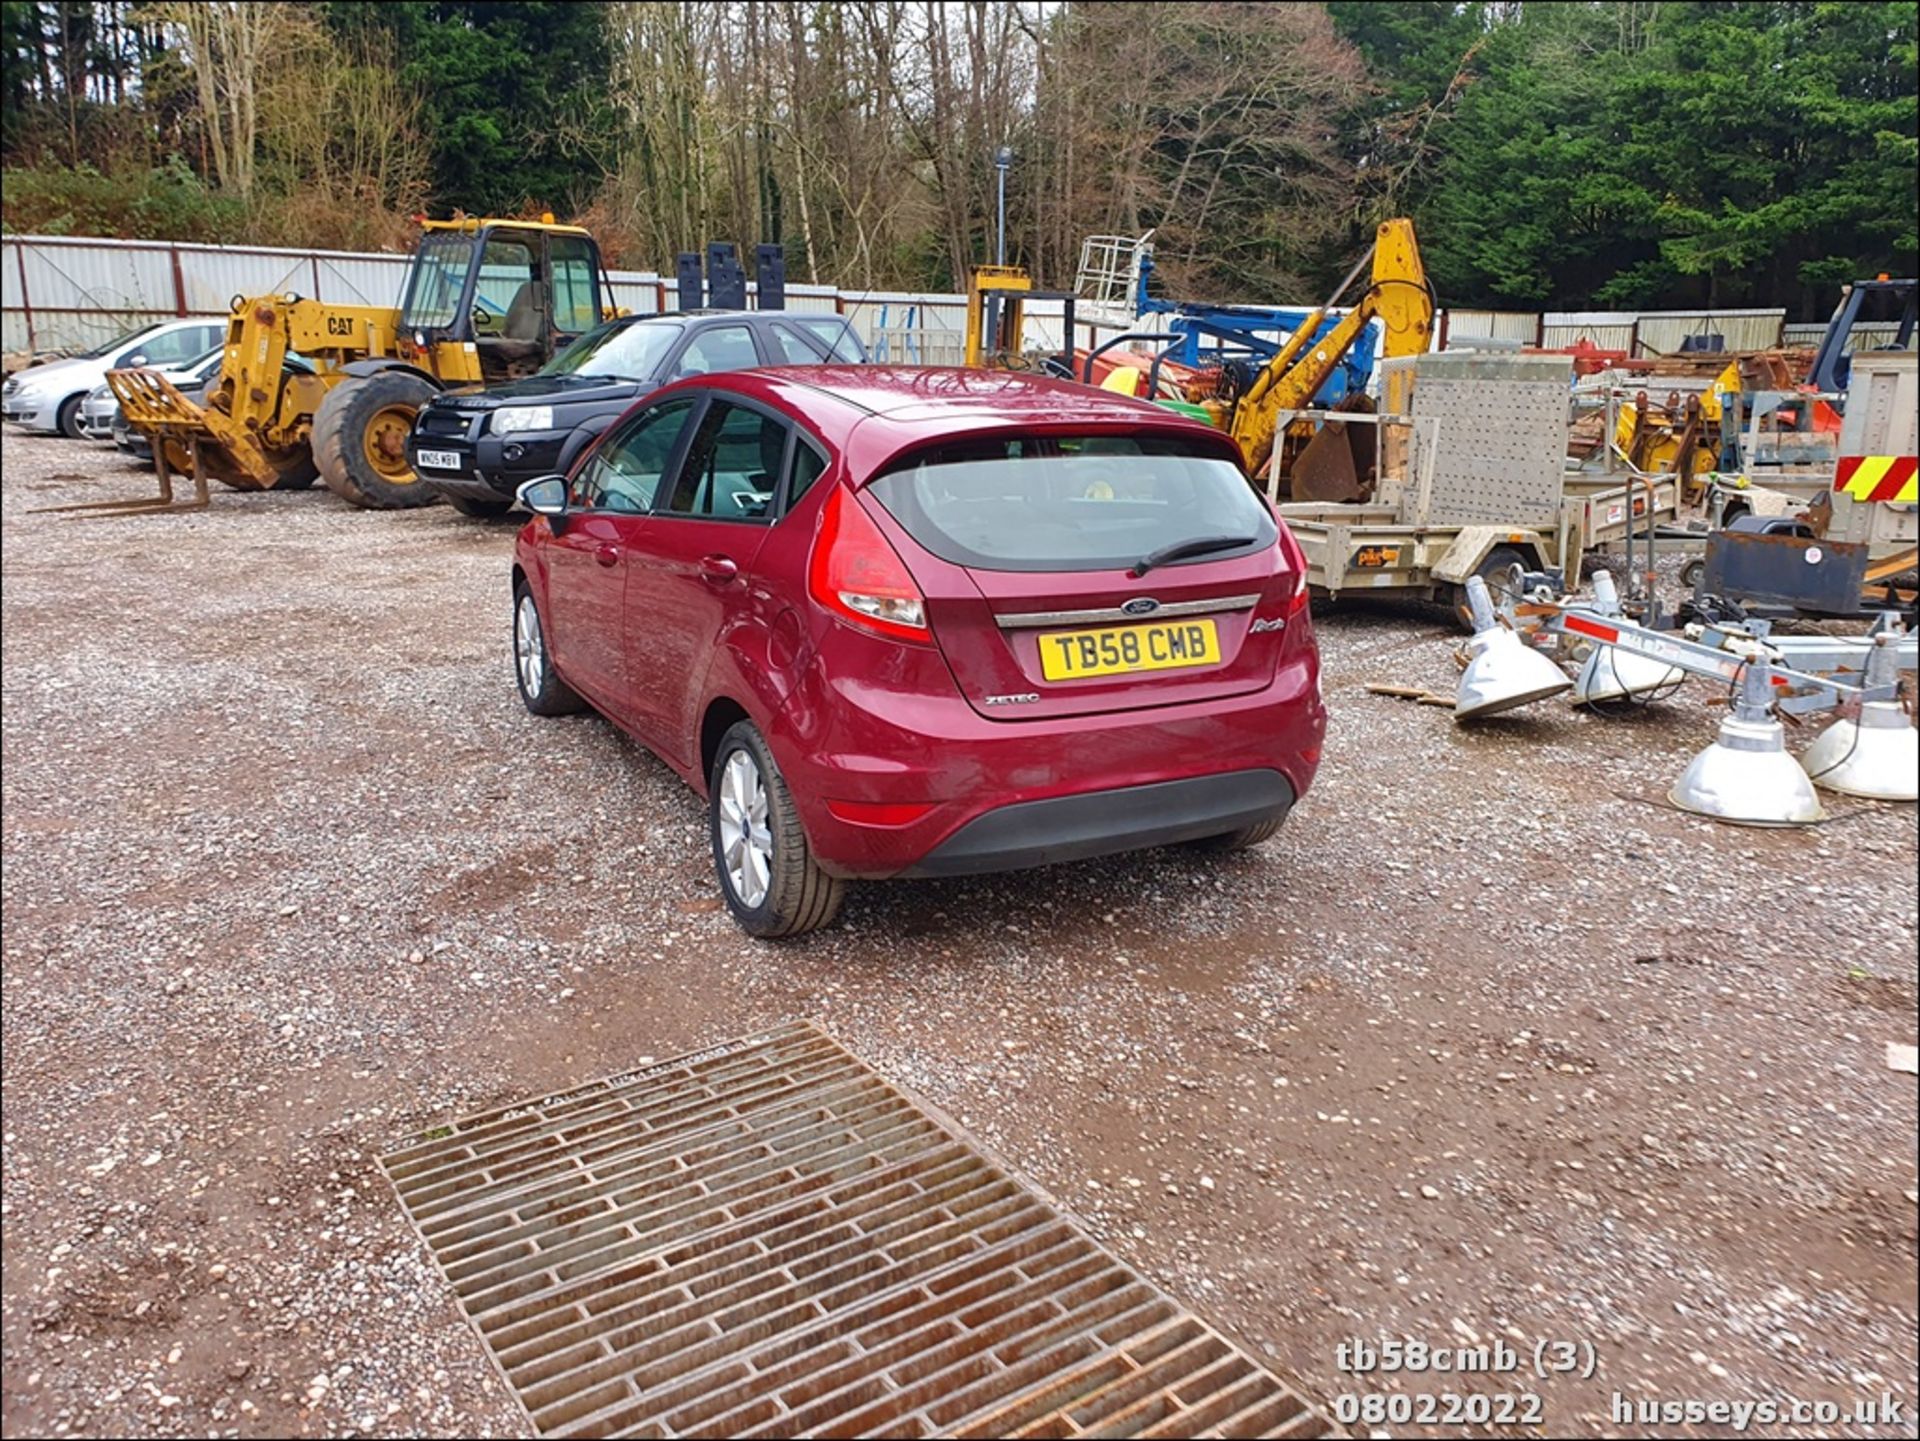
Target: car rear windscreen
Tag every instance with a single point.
(1058, 504)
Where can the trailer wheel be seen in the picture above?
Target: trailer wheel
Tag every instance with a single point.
(1497, 571)
(1692, 573)
(360, 440)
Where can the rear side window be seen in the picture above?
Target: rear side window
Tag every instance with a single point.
(835, 334)
(725, 347)
(796, 350)
(808, 466)
(1072, 503)
(732, 465)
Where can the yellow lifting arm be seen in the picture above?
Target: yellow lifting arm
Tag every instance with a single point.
(1397, 295)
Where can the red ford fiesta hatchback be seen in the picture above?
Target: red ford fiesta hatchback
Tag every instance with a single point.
(924, 623)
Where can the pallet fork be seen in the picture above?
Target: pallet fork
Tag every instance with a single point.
(160, 504)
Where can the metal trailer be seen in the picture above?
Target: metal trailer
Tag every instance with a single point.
(1473, 481)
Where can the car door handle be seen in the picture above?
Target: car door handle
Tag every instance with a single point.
(717, 569)
(607, 554)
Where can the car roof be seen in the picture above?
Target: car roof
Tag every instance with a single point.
(874, 412)
(708, 312)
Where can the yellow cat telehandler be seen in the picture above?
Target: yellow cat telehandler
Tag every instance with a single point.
(484, 301)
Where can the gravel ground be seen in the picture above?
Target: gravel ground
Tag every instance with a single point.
(1486, 1044)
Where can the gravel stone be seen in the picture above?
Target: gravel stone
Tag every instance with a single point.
(278, 742)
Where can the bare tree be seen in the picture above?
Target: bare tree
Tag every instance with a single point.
(865, 132)
(236, 50)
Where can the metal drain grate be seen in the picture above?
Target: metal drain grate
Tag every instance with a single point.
(768, 1239)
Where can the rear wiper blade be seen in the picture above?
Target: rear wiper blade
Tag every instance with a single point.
(1180, 550)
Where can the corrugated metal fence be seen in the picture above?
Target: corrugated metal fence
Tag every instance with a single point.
(65, 292)
(1636, 332)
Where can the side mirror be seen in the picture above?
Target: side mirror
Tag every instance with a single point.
(135, 360)
(546, 496)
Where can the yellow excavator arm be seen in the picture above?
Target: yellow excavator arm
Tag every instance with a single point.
(1397, 295)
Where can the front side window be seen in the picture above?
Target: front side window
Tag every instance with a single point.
(439, 278)
(624, 473)
(724, 347)
(574, 306)
(1053, 503)
(100, 351)
(732, 465)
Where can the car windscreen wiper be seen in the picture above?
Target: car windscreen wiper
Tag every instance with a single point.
(1180, 550)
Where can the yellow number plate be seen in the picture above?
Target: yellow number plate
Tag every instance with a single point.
(1116, 650)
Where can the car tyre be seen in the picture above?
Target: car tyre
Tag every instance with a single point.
(477, 508)
(1244, 839)
(67, 418)
(760, 853)
(541, 689)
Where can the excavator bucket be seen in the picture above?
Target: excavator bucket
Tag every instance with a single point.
(1340, 464)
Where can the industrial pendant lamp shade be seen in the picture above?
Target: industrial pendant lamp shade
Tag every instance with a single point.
(1611, 676)
(1746, 776)
(1503, 672)
(1877, 756)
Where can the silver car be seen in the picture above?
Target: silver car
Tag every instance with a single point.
(97, 413)
(48, 397)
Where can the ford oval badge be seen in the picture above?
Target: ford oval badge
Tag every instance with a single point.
(1140, 605)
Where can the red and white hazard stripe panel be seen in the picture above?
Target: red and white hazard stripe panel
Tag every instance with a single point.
(1879, 477)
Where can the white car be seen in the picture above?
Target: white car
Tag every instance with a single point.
(48, 397)
(100, 417)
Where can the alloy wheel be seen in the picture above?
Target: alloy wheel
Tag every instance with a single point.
(529, 651)
(746, 838)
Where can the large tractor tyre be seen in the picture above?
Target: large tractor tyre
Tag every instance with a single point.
(360, 440)
(297, 470)
(479, 509)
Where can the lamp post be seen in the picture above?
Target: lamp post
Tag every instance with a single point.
(1002, 158)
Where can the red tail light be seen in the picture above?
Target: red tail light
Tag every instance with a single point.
(1297, 563)
(858, 576)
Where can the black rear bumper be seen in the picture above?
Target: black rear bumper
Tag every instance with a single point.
(1104, 823)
